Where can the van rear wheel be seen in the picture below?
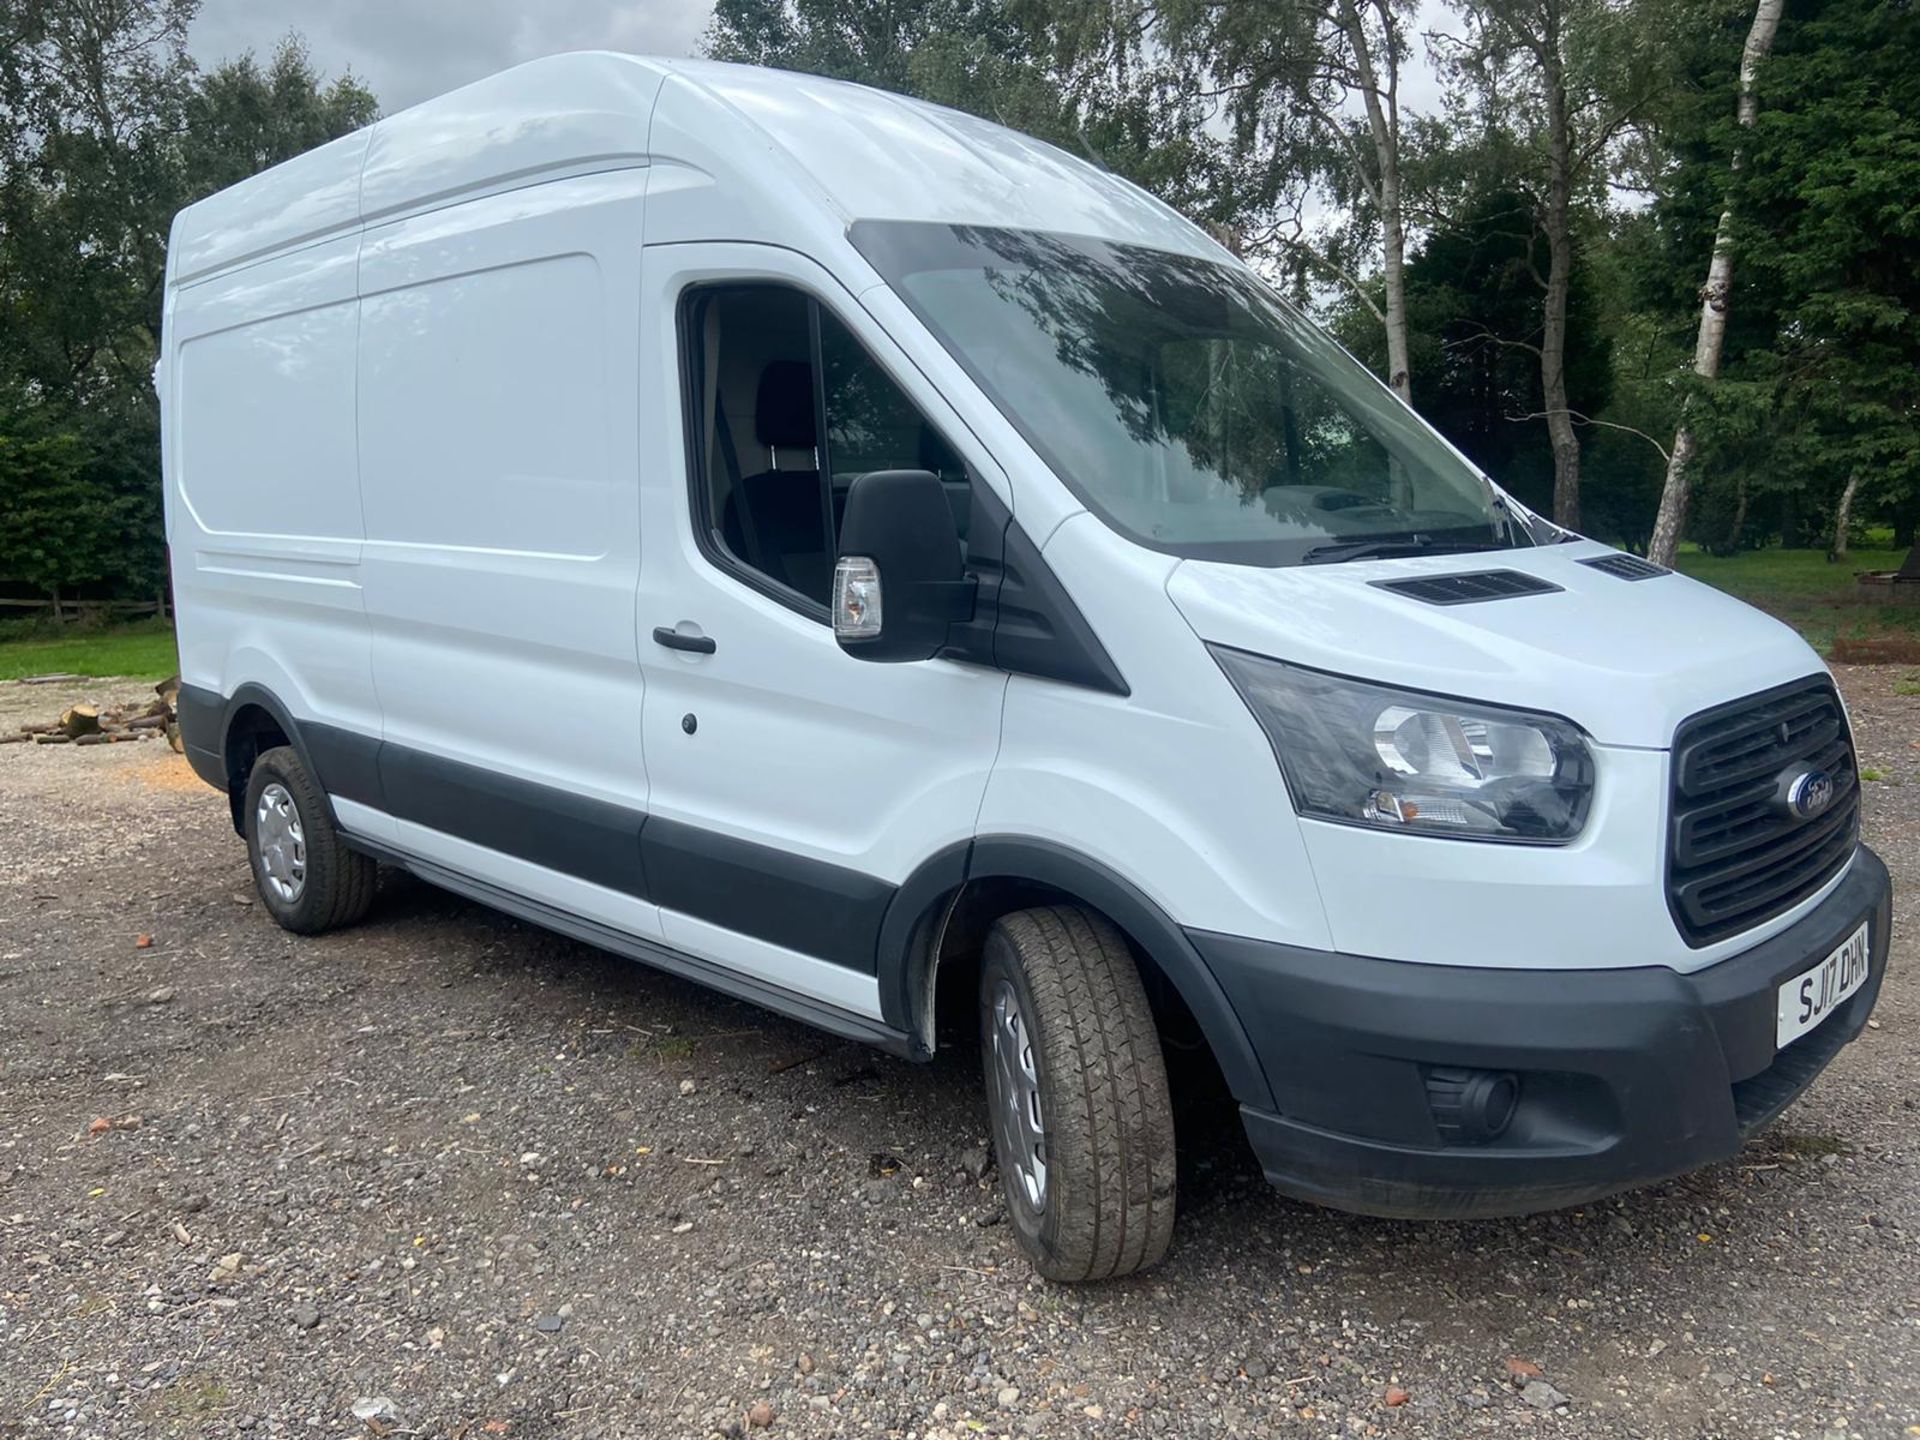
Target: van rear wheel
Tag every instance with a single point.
(308, 878)
(1077, 1088)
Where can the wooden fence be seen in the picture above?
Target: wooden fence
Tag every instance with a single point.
(87, 609)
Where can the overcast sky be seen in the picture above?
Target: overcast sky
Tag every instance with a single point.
(408, 50)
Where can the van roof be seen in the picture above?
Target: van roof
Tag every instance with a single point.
(868, 155)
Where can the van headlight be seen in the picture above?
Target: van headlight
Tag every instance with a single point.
(1368, 754)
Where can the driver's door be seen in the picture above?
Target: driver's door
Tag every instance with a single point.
(793, 788)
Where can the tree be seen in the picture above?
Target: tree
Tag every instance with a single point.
(1292, 73)
(49, 532)
(1828, 216)
(243, 118)
(1819, 385)
(90, 105)
(1231, 113)
(106, 130)
(1715, 295)
(1554, 84)
(1474, 308)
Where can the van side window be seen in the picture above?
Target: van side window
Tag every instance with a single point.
(872, 426)
(788, 409)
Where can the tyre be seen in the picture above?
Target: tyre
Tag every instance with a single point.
(1077, 1089)
(307, 877)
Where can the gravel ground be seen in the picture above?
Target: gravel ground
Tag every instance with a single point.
(447, 1175)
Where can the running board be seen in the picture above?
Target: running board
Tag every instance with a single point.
(818, 1014)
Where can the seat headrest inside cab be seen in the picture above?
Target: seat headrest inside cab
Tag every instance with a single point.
(783, 408)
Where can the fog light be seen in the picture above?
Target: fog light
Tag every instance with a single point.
(1472, 1107)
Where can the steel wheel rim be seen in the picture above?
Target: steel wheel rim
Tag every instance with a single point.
(1017, 1114)
(282, 843)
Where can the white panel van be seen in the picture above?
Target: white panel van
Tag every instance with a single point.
(992, 604)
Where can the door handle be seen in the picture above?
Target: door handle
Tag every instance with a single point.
(699, 644)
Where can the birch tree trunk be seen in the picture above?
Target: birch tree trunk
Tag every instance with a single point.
(1843, 518)
(1394, 272)
(1714, 295)
(1383, 126)
(1553, 332)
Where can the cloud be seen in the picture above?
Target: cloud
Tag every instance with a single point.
(410, 50)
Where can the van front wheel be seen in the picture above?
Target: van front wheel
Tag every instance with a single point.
(1077, 1088)
(307, 877)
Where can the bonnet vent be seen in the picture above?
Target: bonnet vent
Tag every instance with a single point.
(1470, 587)
(1626, 567)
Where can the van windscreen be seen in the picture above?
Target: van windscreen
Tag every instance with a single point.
(1183, 402)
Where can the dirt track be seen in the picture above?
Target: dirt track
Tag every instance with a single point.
(512, 1186)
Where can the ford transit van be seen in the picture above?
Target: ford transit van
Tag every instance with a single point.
(985, 605)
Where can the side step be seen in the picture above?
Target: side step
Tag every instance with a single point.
(819, 1015)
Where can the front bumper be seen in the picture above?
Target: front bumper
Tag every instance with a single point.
(1626, 1076)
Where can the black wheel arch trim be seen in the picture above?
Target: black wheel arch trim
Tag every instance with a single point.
(202, 717)
(910, 945)
(347, 759)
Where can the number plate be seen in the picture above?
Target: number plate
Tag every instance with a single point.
(1809, 998)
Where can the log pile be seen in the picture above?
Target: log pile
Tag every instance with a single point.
(85, 724)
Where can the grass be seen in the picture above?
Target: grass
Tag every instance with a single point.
(143, 651)
(1822, 600)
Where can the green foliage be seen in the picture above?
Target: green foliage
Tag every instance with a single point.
(1828, 211)
(1624, 464)
(48, 536)
(1473, 292)
(107, 129)
(243, 117)
(1247, 117)
(90, 108)
(79, 503)
(1821, 377)
(1291, 132)
(1605, 63)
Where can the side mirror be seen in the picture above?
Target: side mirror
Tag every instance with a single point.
(900, 581)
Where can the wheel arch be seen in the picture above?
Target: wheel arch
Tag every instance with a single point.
(251, 720)
(944, 907)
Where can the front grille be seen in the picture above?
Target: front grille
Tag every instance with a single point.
(1736, 856)
(1468, 587)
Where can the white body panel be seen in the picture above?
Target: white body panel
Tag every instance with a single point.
(279, 211)
(870, 155)
(427, 482)
(500, 465)
(798, 746)
(544, 121)
(1173, 786)
(262, 494)
(1627, 662)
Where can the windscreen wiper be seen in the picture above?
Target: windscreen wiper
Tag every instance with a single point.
(1332, 554)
